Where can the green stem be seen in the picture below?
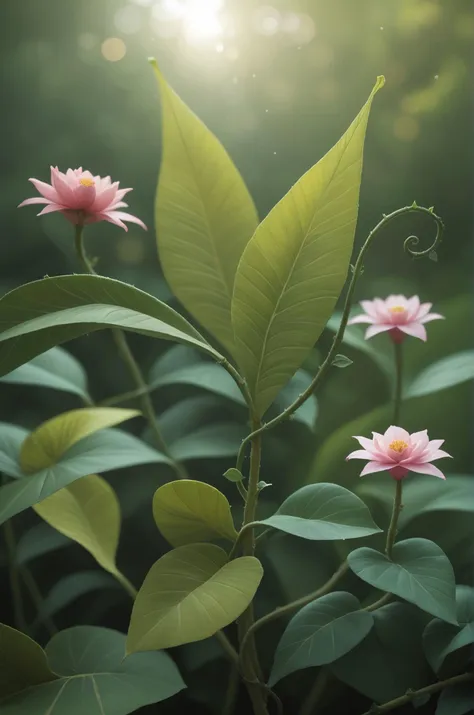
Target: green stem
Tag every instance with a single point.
(397, 399)
(133, 368)
(14, 576)
(127, 585)
(382, 601)
(357, 270)
(410, 695)
(392, 529)
(397, 402)
(232, 691)
(36, 597)
(316, 693)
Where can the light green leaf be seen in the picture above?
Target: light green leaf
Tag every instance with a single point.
(88, 512)
(11, 439)
(323, 512)
(320, 633)
(94, 677)
(51, 440)
(40, 539)
(233, 475)
(456, 700)
(445, 373)
(22, 662)
(294, 268)
(419, 571)
(56, 369)
(71, 587)
(440, 638)
(187, 511)
(105, 450)
(189, 594)
(342, 361)
(39, 315)
(204, 216)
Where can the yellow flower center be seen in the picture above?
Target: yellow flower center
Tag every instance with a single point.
(86, 182)
(398, 445)
(397, 309)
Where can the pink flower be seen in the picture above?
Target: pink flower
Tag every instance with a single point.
(83, 198)
(399, 452)
(397, 315)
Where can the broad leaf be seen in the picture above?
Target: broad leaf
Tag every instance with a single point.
(323, 512)
(390, 659)
(190, 594)
(187, 511)
(204, 216)
(39, 315)
(88, 512)
(106, 450)
(56, 369)
(320, 633)
(94, 678)
(22, 662)
(40, 539)
(211, 441)
(11, 439)
(440, 638)
(445, 373)
(71, 587)
(48, 442)
(294, 268)
(418, 571)
(456, 700)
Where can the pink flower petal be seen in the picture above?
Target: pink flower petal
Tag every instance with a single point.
(426, 469)
(51, 208)
(369, 307)
(373, 467)
(413, 306)
(432, 316)
(436, 454)
(360, 454)
(376, 329)
(61, 185)
(416, 330)
(362, 318)
(34, 200)
(423, 310)
(122, 216)
(45, 190)
(105, 198)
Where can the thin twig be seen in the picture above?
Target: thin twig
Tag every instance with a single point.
(14, 576)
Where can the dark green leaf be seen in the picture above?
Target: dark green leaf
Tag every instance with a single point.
(445, 373)
(456, 700)
(11, 439)
(354, 337)
(22, 662)
(211, 441)
(440, 638)
(40, 539)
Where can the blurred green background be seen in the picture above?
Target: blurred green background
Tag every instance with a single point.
(278, 82)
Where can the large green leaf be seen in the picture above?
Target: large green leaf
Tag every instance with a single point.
(45, 313)
(56, 369)
(418, 571)
(11, 439)
(88, 512)
(440, 638)
(295, 266)
(190, 594)
(320, 633)
(323, 512)
(71, 587)
(106, 450)
(94, 677)
(204, 216)
(445, 373)
(456, 700)
(48, 442)
(39, 540)
(22, 662)
(187, 511)
(390, 659)
(211, 441)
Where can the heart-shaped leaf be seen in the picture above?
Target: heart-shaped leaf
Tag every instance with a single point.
(204, 216)
(190, 594)
(323, 512)
(56, 369)
(40, 315)
(294, 268)
(88, 512)
(22, 662)
(47, 444)
(449, 371)
(94, 678)
(320, 633)
(418, 571)
(440, 638)
(187, 511)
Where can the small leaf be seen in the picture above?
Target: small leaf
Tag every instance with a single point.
(293, 269)
(40, 539)
(263, 485)
(187, 511)
(71, 587)
(204, 216)
(433, 256)
(23, 663)
(419, 571)
(342, 361)
(233, 475)
(443, 374)
(189, 594)
(320, 633)
(354, 338)
(49, 442)
(87, 512)
(440, 638)
(56, 369)
(11, 439)
(456, 700)
(323, 512)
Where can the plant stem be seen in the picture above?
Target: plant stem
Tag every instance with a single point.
(316, 693)
(232, 691)
(397, 398)
(392, 529)
(397, 402)
(127, 585)
(133, 368)
(412, 694)
(386, 598)
(324, 367)
(36, 597)
(14, 576)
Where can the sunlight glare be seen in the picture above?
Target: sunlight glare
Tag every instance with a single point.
(201, 20)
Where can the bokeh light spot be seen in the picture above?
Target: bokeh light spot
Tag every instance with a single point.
(113, 49)
(128, 19)
(266, 20)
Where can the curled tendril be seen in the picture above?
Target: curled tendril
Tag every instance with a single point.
(413, 241)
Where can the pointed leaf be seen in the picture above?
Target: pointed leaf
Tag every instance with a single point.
(419, 571)
(445, 373)
(51, 440)
(440, 638)
(354, 338)
(204, 216)
(11, 439)
(189, 594)
(39, 315)
(94, 677)
(22, 662)
(295, 266)
(56, 369)
(87, 512)
(187, 511)
(320, 633)
(323, 512)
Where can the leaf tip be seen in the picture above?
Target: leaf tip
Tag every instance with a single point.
(380, 82)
